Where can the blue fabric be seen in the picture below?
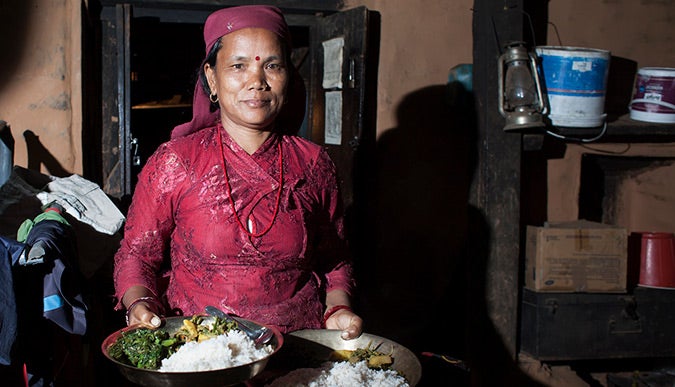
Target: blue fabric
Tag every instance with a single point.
(52, 302)
(62, 299)
(61, 281)
(10, 251)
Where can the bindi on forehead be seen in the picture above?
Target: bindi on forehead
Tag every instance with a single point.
(257, 57)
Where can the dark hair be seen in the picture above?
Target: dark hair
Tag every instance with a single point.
(211, 60)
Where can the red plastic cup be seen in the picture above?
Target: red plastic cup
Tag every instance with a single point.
(657, 260)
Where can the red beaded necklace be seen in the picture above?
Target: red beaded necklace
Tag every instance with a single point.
(229, 191)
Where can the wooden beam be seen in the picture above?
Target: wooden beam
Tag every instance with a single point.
(310, 6)
(495, 191)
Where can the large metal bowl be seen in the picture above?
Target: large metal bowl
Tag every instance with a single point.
(310, 348)
(221, 377)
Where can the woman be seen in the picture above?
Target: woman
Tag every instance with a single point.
(249, 218)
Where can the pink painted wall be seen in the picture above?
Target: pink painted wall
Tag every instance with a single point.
(421, 41)
(640, 31)
(40, 82)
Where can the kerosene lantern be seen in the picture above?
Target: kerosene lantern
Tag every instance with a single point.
(521, 100)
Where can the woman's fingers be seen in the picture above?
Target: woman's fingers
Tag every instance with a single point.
(141, 314)
(348, 322)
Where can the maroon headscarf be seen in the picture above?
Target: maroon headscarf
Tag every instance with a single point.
(221, 23)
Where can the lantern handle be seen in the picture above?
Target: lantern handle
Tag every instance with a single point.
(534, 65)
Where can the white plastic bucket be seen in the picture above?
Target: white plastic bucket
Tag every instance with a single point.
(575, 80)
(654, 96)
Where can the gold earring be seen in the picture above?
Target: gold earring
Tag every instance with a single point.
(213, 98)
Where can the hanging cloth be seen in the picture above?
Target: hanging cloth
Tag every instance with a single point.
(10, 252)
(63, 302)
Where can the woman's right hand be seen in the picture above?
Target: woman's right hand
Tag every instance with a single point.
(143, 313)
(142, 307)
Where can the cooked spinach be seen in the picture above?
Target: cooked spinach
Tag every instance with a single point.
(146, 348)
(143, 348)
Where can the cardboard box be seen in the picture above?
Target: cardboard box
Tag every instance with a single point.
(578, 256)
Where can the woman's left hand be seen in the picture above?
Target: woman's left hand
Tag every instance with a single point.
(348, 322)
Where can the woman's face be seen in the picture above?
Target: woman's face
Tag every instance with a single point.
(250, 78)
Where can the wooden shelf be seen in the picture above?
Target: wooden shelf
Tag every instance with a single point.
(160, 106)
(625, 129)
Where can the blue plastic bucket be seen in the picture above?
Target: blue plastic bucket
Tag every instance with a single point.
(575, 80)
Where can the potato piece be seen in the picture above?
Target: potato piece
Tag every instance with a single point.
(379, 361)
(191, 329)
(341, 354)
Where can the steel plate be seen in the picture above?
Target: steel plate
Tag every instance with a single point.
(222, 377)
(310, 348)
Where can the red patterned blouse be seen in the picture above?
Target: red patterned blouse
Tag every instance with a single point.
(181, 227)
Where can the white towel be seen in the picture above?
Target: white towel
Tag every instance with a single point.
(85, 201)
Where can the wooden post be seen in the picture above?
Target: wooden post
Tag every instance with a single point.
(495, 191)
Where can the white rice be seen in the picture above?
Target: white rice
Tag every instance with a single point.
(340, 374)
(223, 351)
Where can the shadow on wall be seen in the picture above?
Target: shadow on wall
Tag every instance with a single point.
(13, 33)
(423, 288)
(417, 275)
(39, 155)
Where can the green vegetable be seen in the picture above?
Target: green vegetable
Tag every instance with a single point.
(373, 357)
(143, 348)
(146, 348)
